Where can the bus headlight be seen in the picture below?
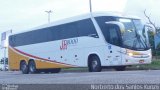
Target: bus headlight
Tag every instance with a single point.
(149, 54)
(130, 54)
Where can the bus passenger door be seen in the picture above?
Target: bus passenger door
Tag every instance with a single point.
(114, 45)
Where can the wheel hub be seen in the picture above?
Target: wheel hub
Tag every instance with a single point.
(94, 64)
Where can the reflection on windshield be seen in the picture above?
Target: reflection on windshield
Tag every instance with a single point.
(133, 38)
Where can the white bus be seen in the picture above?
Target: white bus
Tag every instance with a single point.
(92, 40)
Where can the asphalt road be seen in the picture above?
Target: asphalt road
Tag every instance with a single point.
(105, 77)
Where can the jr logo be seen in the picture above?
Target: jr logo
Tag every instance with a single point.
(66, 43)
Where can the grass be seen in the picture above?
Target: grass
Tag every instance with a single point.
(79, 69)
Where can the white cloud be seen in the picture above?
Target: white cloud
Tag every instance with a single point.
(109, 5)
(137, 7)
(20, 14)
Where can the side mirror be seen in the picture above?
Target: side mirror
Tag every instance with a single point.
(119, 24)
(150, 28)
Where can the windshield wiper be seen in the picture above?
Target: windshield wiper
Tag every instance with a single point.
(139, 41)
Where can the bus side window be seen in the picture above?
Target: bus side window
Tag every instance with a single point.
(86, 27)
(114, 36)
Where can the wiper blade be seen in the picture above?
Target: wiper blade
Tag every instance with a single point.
(139, 41)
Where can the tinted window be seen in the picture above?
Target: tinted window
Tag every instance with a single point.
(101, 21)
(64, 31)
(86, 27)
(31, 37)
(114, 35)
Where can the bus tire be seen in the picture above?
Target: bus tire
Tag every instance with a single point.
(120, 68)
(24, 67)
(94, 64)
(32, 67)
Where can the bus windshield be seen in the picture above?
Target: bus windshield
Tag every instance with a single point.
(134, 36)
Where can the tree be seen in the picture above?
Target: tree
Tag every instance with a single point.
(151, 36)
(149, 19)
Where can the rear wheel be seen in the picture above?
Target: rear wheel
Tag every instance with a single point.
(94, 64)
(120, 68)
(32, 67)
(24, 67)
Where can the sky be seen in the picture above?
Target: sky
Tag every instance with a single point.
(23, 14)
(137, 7)
(20, 15)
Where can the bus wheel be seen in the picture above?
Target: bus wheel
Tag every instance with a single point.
(24, 67)
(94, 64)
(120, 68)
(32, 67)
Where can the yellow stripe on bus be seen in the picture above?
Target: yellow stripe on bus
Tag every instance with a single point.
(15, 58)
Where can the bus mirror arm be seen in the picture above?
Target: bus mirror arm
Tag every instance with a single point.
(93, 35)
(150, 28)
(119, 24)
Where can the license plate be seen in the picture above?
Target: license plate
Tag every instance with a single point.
(141, 61)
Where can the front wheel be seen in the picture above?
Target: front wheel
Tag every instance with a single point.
(94, 64)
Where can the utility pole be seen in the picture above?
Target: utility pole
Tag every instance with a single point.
(90, 6)
(48, 12)
(4, 59)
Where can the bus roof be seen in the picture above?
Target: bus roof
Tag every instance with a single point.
(80, 17)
